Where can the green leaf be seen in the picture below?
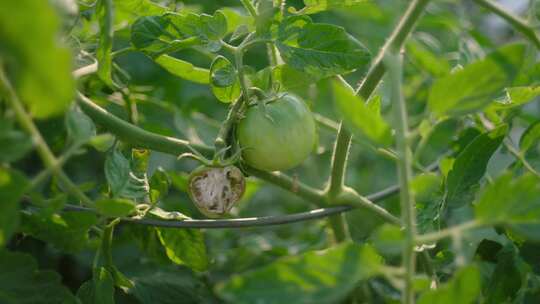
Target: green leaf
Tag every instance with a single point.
(463, 288)
(122, 181)
(175, 31)
(312, 277)
(224, 80)
(185, 246)
(167, 287)
(67, 231)
(388, 239)
(159, 185)
(470, 166)
(322, 50)
(428, 198)
(128, 10)
(477, 84)
(517, 96)
(12, 187)
(115, 207)
(316, 6)
(98, 290)
(22, 282)
(183, 69)
(47, 91)
(359, 117)
(427, 60)
(510, 200)
(290, 78)
(14, 144)
(507, 278)
(105, 15)
(530, 137)
(80, 127)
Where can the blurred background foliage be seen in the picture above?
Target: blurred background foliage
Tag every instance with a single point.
(452, 34)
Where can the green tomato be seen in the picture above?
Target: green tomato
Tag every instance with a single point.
(215, 190)
(279, 137)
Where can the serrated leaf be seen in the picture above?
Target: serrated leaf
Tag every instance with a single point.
(530, 137)
(185, 247)
(470, 166)
(464, 287)
(105, 16)
(22, 282)
(322, 50)
(510, 200)
(313, 277)
(359, 117)
(115, 207)
(183, 69)
(477, 84)
(80, 127)
(47, 92)
(12, 187)
(224, 80)
(67, 231)
(122, 181)
(157, 35)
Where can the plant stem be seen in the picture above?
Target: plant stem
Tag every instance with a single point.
(221, 139)
(394, 64)
(441, 234)
(249, 7)
(42, 148)
(519, 24)
(340, 231)
(339, 162)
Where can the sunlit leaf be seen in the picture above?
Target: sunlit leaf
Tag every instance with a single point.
(319, 277)
(359, 117)
(530, 137)
(183, 69)
(517, 96)
(319, 49)
(477, 84)
(224, 80)
(185, 246)
(464, 287)
(115, 207)
(510, 200)
(316, 6)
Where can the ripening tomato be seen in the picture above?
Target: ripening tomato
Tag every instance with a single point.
(278, 137)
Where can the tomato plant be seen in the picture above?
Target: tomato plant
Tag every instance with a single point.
(257, 151)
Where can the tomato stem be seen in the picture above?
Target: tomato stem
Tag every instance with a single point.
(43, 150)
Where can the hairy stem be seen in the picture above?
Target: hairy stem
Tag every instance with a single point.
(43, 150)
(519, 24)
(394, 64)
